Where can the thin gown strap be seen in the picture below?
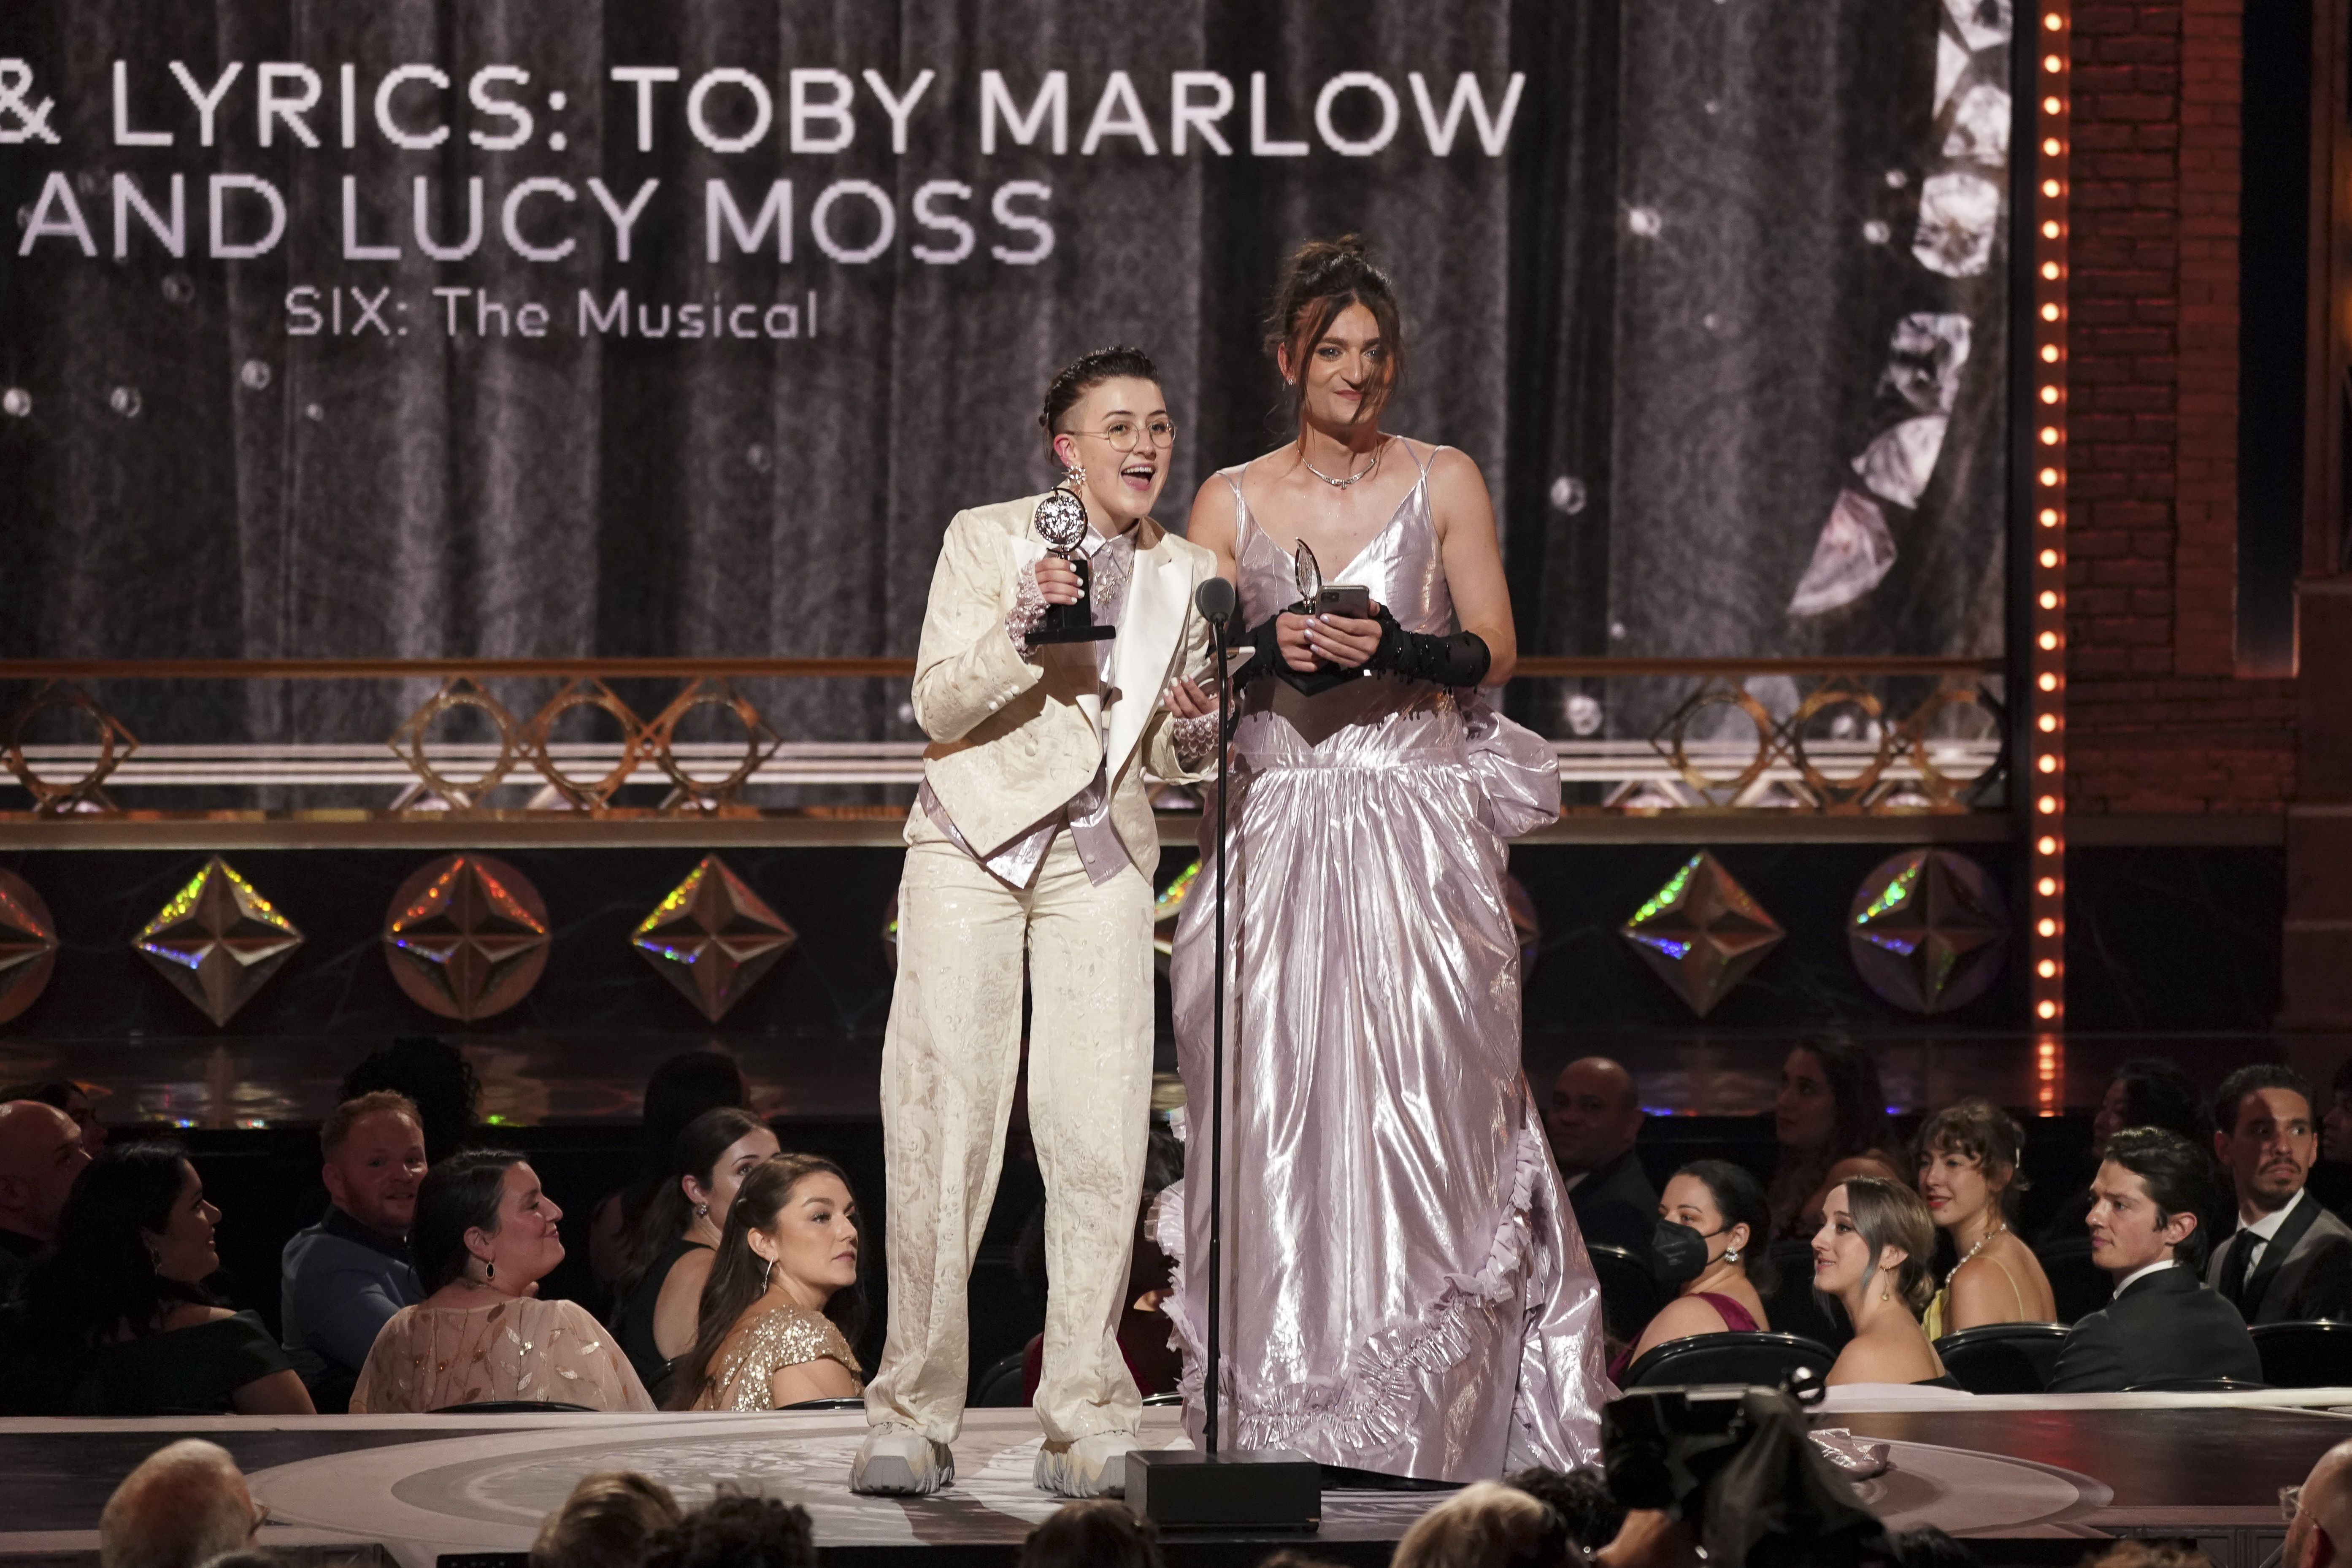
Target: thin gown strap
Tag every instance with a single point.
(2018, 1294)
(1423, 462)
(1242, 514)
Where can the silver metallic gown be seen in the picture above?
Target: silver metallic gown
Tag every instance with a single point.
(1405, 1289)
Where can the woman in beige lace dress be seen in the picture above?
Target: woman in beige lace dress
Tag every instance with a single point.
(483, 1236)
(790, 1253)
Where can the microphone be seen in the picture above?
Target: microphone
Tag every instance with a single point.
(1215, 599)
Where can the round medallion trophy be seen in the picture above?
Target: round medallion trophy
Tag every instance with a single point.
(1061, 522)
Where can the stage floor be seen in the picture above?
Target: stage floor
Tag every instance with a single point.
(2022, 1477)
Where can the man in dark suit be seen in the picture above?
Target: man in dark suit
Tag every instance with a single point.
(1595, 1115)
(2289, 1261)
(2163, 1324)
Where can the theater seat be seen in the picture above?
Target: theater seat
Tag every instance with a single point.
(1630, 1295)
(2079, 1286)
(2003, 1358)
(2198, 1385)
(514, 1407)
(2305, 1355)
(1765, 1358)
(999, 1387)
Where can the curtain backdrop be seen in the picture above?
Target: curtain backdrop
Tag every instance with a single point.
(1721, 314)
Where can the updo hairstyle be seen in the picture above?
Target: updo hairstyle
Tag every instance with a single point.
(1887, 1213)
(1086, 373)
(1323, 278)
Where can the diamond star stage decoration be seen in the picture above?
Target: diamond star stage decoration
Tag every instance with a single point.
(1168, 908)
(218, 941)
(1927, 930)
(466, 936)
(1702, 933)
(28, 945)
(713, 938)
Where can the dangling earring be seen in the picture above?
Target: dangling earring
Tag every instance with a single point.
(1074, 476)
(155, 1260)
(702, 1211)
(490, 1271)
(770, 1275)
(1731, 1255)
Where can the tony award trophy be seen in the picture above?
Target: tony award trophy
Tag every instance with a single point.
(1061, 522)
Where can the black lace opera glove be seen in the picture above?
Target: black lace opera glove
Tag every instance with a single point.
(1461, 660)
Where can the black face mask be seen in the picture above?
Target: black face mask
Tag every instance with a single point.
(1679, 1252)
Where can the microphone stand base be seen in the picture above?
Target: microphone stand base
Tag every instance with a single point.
(1183, 1488)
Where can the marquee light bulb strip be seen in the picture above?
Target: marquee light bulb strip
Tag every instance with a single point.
(2043, 776)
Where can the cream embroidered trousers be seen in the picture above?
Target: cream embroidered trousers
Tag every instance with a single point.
(950, 1058)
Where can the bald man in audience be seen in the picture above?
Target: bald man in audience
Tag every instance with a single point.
(41, 1153)
(2321, 1530)
(1596, 1115)
(184, 1504)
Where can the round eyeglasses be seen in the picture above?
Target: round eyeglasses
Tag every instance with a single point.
(1127, 435)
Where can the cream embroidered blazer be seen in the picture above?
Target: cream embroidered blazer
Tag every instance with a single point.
(1014, 739)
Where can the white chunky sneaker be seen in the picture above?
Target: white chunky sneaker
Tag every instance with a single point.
(1091, 1466)
(899, 1461)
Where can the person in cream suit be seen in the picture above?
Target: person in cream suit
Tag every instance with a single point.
(1033, 838)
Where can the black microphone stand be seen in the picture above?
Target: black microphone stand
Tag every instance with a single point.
(1217, 1042)
(1180, 1489)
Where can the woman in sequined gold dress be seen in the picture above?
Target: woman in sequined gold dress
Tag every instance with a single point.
(484, 1236)
(789, 1254)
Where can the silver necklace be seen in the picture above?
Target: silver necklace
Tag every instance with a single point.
(1341, 484)
(1979, 1247)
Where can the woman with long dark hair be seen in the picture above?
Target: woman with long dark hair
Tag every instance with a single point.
(784, 1284)
(484, 1236)
(680, 1089)
(116, 1321)
(661, 1294)
(1831, 1120)
(1405, 1293)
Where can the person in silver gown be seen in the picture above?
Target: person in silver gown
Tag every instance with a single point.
(1405, 1291)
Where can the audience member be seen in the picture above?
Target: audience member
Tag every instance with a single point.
(41, 1153)
(340, 1280)
(63, 1094)
(2163, 1325)
(2321, 1530)
(2147, 1092)
(1096, 1532)
(606, 1522)
(733, 1530)
(1708, 1248)
(1595, 1116)
(1968, 1175)
(790, 1251)
(2289, 1261)
(1485, 1525)
(659, 1295)
(1580, 1498)
(185, 1505)
(1831, 1120)
(484, 1236)
(680, 1089)
(438, 1079)
(115, 1321)
(2335, 1126)
(1870, 1254)
(2152, 1554)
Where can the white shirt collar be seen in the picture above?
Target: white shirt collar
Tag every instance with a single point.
(2268, 1225)
(2137, 1275)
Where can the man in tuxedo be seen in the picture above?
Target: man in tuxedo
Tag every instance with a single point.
(1596, 1115)
(2289, 1261)
(2163, 1324)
